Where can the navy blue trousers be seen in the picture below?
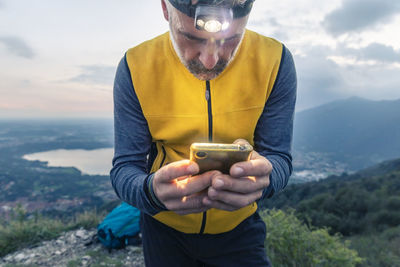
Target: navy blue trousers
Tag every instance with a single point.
(243, 246)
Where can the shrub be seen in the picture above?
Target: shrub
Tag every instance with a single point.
(379, 249)
(290, 242)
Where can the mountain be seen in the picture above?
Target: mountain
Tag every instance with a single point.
(364, 202)
(355, 131)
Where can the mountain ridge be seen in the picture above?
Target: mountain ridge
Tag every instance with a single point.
(355, 131)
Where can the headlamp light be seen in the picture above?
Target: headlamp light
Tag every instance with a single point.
(212, 15)
(212, 18)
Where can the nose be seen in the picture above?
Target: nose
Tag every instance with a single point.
(209, 55)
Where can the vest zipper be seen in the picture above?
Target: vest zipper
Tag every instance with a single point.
(210, 123)
(210, 137)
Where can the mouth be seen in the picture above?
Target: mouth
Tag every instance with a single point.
(202, 73)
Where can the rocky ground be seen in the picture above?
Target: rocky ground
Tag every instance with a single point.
(74, 248)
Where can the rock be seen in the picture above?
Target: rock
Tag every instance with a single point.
(8, 258)
(20, 257)
(81, 234)
(86, 258)
(70, 249)
(133, 248)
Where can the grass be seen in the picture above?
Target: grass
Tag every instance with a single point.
(97, 259)
(20, 232)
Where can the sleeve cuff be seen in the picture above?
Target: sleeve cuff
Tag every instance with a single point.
(148, 184)
(269, 191)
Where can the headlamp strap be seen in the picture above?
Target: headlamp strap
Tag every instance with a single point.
(186, 7)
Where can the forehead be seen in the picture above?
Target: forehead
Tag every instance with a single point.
(184, 23)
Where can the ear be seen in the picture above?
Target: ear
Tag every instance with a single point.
(165, 10)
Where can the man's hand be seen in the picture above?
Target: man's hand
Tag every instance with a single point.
(243, 186)
(178, 190)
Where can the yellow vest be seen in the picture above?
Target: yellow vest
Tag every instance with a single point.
(175, 106)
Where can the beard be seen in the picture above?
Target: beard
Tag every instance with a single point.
(200, 72)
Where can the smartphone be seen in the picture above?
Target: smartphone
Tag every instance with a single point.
(212, 156)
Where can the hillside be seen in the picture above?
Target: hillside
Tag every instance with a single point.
(74, 248)
(366, 201)
(53, 190)
(356, 132)
(364, 207)
(289, 242)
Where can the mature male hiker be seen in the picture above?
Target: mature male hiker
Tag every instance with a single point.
(206, 80)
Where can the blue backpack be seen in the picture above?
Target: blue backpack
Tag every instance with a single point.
(120, 227)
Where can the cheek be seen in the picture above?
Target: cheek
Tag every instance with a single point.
(228, 50)
(188, 51)
(191, 53)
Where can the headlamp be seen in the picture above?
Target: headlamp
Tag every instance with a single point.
(212, 18)
(212, 15)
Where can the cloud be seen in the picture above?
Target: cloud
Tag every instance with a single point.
(356, 15)
(17, 46)
(375, 51)
(265, 22)
(321, 80)
(96, 74)
(318, 78)
(270, 24)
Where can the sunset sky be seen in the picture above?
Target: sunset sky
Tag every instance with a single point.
(58, 58)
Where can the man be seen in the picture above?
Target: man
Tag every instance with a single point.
(206, 80)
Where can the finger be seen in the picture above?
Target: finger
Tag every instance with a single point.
(234, 199)
(255, 155)
(241, 141)
(218, 205)
(243, 185)
(186, 186)
(259, 166)
(246, 143)
(176, 169)
(192, 202)
(194, 184)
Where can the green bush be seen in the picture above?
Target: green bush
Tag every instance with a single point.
(290, 242)
(379, 249)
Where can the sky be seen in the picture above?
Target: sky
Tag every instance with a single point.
(58, 58)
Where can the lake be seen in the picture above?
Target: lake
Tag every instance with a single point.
(93, 162)
(98, 162)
